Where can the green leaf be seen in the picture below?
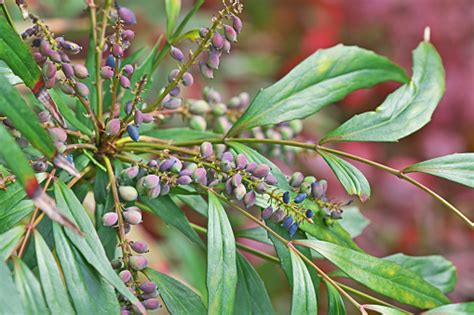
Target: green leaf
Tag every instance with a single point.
(253, 156)
(335, 303)
(252, 296)
(351, 178)
(284, 253)
(89, 292)
(8, 74)
(382, 276)
(29, 288)
(180, 134)
(173, 8)
(24, 119)
(303, 296)
(165, 208)
(353, 221)
(9, 241)
(53, 286)
(221, 260)
(257, 234)
(68, 113)
(16, 54)
(458, 167)
(10, 302)
(10, 217)
(404, 111)
(384, 309)
(436, 270)
(178, 298)
(186, 19)
(322, 79)
(196, 202)
(16, 160)
(453, 309)
(87, 244)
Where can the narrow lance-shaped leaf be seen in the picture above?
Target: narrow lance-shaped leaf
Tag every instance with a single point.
(351, 178)
(9, 241)
(10, 302)
(16, 160)
(90, 293)
(24, 119)
(458, 167)
(453, 309)
(335, 303)
(435, 269)
(404, 111)
(8, 74)
(87, 244)
(322, 79)
(30, 289)
(16, 54)
(303, 296)
(384, 309)
(56, 294)
(221, 260)
(384, 277)
(173, 215)
(172, 7)
(252, 296)
(178, 298)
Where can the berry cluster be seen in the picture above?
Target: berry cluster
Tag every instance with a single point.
(52, 53)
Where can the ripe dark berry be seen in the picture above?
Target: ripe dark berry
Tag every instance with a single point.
(309, 213)
(286, 197)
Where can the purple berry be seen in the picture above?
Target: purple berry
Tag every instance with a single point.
(203, 32)
(237, 24)
(139, 247)
(218, 41)
(213, 59)
(167, 164)
(300, 197)
(206, 149)
(270, 179)
(177, 54)
(49, 70)
(55, 56)
(206, 72)
(249, 199)
(293, 228)
(127, 16)
(230, 33)
(184, 180)
(188, 79)
(173, 103)
(148, 287)
(154, 192)
(138, 119)
(128, 107)
(138, 262)
(227, 47)
(241, 161)
(175, 91)
(106, 72)
(40, 166)
(82, 90)
(110, 219)
(68, 70)
(261, 170)
(70, 47)
(133, 217)
(124, 82)
(128, 35)
(287, 222)
(286, 197)
(131, 172)
(236, 180)
(267, 213)
(151, 304)
(80, 71)
(296, 179)
(125, 275)
(309, 213)
(239, 192)
(113, 127)
(319, 188)
(277, 216)
(251, 167)
(128, 69)
(200, 176)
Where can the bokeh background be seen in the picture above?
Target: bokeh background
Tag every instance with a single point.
(277, 35)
